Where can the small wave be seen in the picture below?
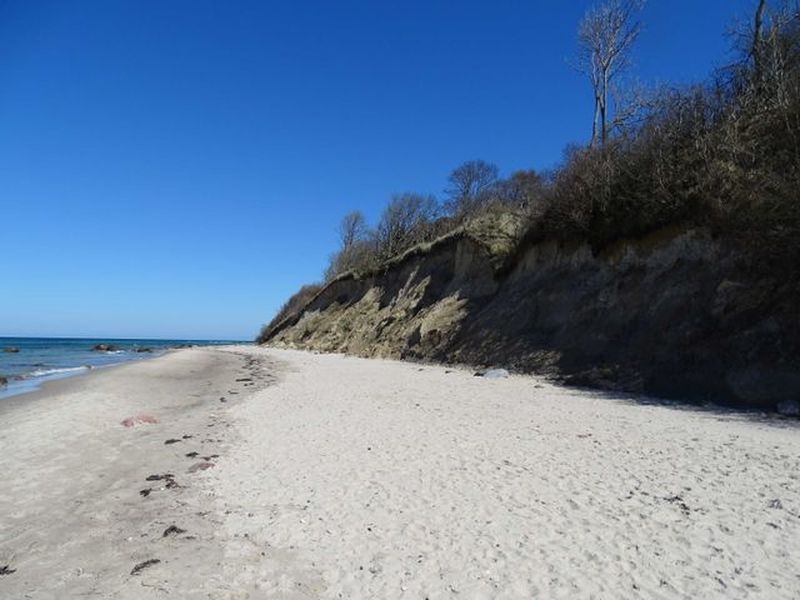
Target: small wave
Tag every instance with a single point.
(47, 372)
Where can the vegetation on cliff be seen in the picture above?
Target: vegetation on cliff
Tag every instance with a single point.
(723, 154)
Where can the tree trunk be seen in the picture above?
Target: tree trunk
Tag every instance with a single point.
(595, 120)
(756, 49)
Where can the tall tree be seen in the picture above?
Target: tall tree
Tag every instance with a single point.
(606, 36)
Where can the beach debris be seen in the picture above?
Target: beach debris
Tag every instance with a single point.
(171, 441)
(200, 466)
(187, 437)
(789, 408)
(144, 565)
(222, 399)
(7, 570)
(493, 374)
(160, 477)
(139, 420)
(191, 454)
(244, 379)
(172, 530)
(776, 504)
(145, 492)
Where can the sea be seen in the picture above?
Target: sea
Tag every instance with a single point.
(28, 362)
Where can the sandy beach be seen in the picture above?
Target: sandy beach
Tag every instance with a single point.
(280, 474)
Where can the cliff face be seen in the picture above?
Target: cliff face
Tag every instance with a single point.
(674, 314)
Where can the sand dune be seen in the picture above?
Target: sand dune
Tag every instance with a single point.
(351, 478)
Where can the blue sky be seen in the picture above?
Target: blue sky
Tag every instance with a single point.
(178, 168)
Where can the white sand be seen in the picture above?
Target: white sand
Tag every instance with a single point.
(359, 478)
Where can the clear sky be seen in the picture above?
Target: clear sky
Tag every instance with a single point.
(178, 168)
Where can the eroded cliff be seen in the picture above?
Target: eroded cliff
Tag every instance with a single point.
(678, 314)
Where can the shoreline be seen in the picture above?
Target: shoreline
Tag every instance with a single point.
(76, 517)
(333, 476)
(26, 383)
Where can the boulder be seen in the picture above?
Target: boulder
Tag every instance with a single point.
(3, 381)
(11, 349)
(104, 348)
(789, 408)
(142, 349)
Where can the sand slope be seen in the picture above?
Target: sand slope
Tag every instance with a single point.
(352, 478)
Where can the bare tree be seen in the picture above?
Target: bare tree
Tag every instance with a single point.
(605, 36)
(352, 229)
(523, 190)
(470, 184)
(405, 222)
(357, 246)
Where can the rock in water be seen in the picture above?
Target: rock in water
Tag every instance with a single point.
(11, 349)
(104, 348)
(789, 408)
(494, 374)
(3, 381)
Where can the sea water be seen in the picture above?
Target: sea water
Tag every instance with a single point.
(42, 359)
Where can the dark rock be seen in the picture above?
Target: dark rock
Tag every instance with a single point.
(11, 350)
(7, 570)
(3, 381)
(141, 350)
(104, 348)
